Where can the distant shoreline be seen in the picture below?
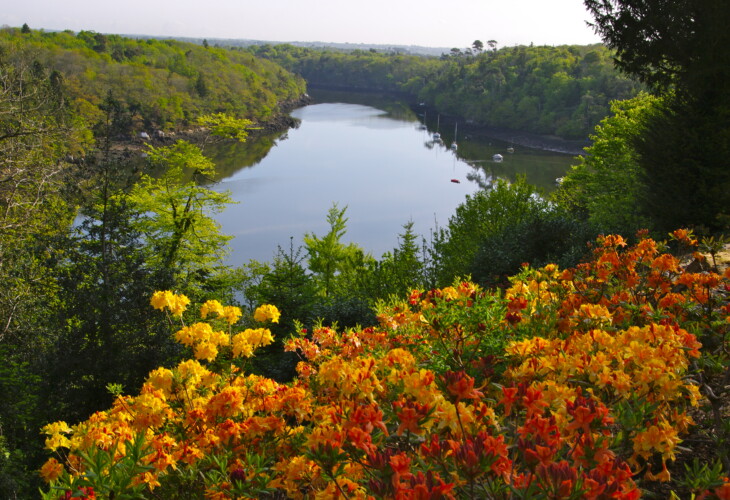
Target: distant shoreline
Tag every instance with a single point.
(535, 141)
(516, 137)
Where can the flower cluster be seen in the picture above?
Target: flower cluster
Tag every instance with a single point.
(176, 304)
(570, 384)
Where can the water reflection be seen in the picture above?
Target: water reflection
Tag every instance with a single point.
(502, 159)
(391, 108)
(230, 157)
(380, 164)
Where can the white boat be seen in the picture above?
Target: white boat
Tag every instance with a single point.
(453, 144)
(437, 135)
(422, 125)
(497, 157)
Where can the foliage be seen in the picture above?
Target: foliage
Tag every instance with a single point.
(38, 135)
(106, 331)
(227, 127)
(607, 185)
(401, 270)
(682, 45)
(19, 405)
(573, 384)
(483, 215)
(335, 264)
(159, 84)
(683, 148)
(541, 237)
(563, 90)
(177, 214)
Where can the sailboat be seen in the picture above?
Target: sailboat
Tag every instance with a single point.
(437, 135)
(422, 125)
(453, 144)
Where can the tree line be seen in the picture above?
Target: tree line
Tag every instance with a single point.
(146, 84)
(563, 91)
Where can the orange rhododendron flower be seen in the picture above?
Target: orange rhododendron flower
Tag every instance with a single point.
(51, 470)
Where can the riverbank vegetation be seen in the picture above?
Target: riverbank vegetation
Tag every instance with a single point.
(126, 86)
(518, 352)
(563, 91)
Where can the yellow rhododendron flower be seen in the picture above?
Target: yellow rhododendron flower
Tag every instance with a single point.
(248, 340)
(192, 371)
(206, 350)
(231, 314)
(161, 378)
(267, 312)
(211, 306)
(56, 438)
(259, 336)
(241, 347)
(176, 303)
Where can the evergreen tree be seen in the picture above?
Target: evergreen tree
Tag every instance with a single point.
(685, 147)
(336, 265)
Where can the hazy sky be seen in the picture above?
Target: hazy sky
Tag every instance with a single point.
(444, 23)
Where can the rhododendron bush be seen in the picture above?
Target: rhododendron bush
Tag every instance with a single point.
(568, 384)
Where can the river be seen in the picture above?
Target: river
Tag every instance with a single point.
(371, 155)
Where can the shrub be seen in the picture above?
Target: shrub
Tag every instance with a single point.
(569, 384)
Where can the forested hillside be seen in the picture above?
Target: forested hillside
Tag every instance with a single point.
(563, 90)
(154, 84)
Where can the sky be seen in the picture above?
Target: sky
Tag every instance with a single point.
(429, 23)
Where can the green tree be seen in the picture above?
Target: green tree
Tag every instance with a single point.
(37, 133)
(684, 151)
(225, 126)
(400, 271)
(662, 41)
(286, 284)
(482, 215)
(107, 333)
(201, 87)
(335, 265)
(607, 184)
(549, 235)
(178, 212)
(685, 147)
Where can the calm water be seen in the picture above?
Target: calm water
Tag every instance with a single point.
(380, 164)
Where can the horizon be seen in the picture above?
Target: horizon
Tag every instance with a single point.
(423, 23)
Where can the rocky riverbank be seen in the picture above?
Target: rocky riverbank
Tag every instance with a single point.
(535, 141)
(127, 147)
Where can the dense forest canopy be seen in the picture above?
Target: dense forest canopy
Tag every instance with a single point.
(156, 84)
(165, 84)
(683, 145)
(562, 90)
